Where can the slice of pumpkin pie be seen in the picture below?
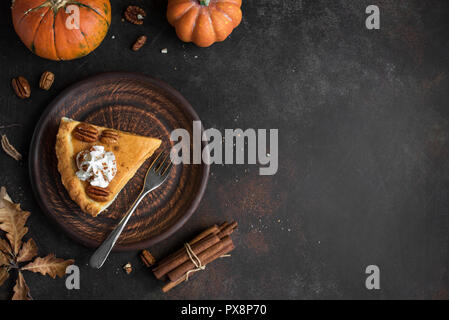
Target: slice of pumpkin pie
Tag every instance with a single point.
(95, 162)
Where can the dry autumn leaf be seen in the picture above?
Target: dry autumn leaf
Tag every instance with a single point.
(29, 251)
(5, 247)
(49, 265)
(9, 149)
(4, 260)
(21, 290)
(12, 221)
(4, 196)
(4, 274)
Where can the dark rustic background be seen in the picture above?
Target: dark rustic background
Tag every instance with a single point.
(364, 146)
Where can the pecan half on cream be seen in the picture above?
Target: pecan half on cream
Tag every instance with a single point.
(135, 15)
(21, 87)
(85, 132)
(109, 137)
(97, 193)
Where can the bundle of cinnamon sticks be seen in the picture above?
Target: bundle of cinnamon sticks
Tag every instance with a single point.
(208, 246)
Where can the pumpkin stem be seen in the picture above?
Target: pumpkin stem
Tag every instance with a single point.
(57, 3)
(204, 2)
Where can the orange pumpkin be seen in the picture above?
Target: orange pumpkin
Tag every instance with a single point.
(204, 22)
(61, 29)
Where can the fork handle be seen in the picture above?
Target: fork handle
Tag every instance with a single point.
(101, 254)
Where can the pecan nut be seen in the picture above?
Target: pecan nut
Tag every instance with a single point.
(109, 137)
(97, 193)
(140, 42)
(85, 132)
(21, 87)
(135, 15)
(46, 80)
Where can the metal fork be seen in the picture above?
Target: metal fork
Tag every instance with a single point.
(156, 175)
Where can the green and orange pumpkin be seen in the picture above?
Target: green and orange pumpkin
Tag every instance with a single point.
(204, 22)
(42, 25)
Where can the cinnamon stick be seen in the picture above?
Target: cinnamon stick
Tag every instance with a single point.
(173, 284)
(220, 253)
(227, 230)
(199, 244)
(147, 258)
(223, 225)
(208, 246)
(212, 230)
(181, 256)
(205, 257)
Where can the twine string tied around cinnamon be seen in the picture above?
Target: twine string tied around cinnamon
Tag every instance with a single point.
(195, 260)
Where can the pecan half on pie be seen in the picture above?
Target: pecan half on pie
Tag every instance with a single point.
(95, 163)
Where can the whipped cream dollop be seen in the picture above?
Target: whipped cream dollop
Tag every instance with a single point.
(96, 166)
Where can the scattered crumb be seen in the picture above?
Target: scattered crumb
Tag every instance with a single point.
(128, 268)
(165, 51)
(196, 57)
(113, 37)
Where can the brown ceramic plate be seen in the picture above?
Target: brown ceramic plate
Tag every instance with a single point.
(129, 102)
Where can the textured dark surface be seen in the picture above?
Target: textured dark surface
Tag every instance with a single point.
(364, 147)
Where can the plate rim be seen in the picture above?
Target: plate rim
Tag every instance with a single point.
(33, 159)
